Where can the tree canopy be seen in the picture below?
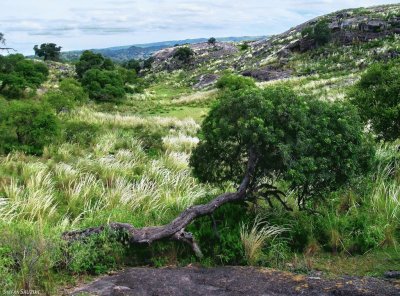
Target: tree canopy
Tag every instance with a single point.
(133, 65)
(184, 54)
(321, 32)
(27, 126)
(18, 74)
(212, 41)
(104, 85)
(313, 146)
(377, 97)
(234, 82)
(49, 51)
(90, 60)
(69, 93)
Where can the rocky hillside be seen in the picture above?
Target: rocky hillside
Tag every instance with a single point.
(143, 51)
(357, 38)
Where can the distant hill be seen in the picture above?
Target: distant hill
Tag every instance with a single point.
(142, 51)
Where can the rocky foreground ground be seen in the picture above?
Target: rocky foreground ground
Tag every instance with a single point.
(230, 281)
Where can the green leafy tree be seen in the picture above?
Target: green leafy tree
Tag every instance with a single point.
(147, 63)
(133, 83)
(313, 146)
(90, 60)
(27, 126)
(18, 74)
(321, 32)
(244, 46)
(234, 82)
(103, 85)
(212, 41)
(377, 97)
(184, 54)
(49, 51)
(133, 65)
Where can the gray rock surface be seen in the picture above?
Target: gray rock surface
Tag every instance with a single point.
(230, 281)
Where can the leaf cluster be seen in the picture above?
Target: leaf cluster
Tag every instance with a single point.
(312, 146)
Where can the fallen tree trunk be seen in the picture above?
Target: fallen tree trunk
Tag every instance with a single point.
(176, 229)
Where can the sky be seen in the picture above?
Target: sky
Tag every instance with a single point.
(85, 24)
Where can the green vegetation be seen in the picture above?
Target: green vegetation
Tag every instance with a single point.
(140, 149)
(377, 96)
(234, 82)
(103, 85)
(320, 33)
(18, 75)
(27, 126)
(90, 60)
(184, 54)
(49, 51)
(133, 65)
(316, 147)
(212, 41)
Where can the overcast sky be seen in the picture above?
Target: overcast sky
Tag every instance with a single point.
(82, 24)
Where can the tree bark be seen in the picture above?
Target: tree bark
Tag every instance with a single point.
(175, 230)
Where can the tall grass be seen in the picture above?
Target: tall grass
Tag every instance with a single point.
(255, 236)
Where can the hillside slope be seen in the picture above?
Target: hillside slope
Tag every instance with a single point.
(143, 51)
(358, 37)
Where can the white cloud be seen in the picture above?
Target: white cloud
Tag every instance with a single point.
(80, 24)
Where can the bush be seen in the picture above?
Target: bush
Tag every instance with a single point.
(90, 60)
(321, 32)
(315, 146)
(74, 89)
(18, 74)
(69, 94)
(235, 82)
(244, 46)
(81, 133)
(377, 97)
(222, 243)
(184, 54)
(96, 255)
(104, 85)
(27, 126)
(133, 65)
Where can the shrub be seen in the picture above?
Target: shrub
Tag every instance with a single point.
(96, 255)
(133, 65)
(18, 74)
(69, 93)
(314, 146)
(74, 89)
(27, 126)
(147, 63)
(104, 85)
(377, 97)
(244, 46)
(221, 241)
(321, 32)
(80, 132)
(235, 82)
(184, 54)
(90, 60)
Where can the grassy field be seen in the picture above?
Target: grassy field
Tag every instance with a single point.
(129, 162)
